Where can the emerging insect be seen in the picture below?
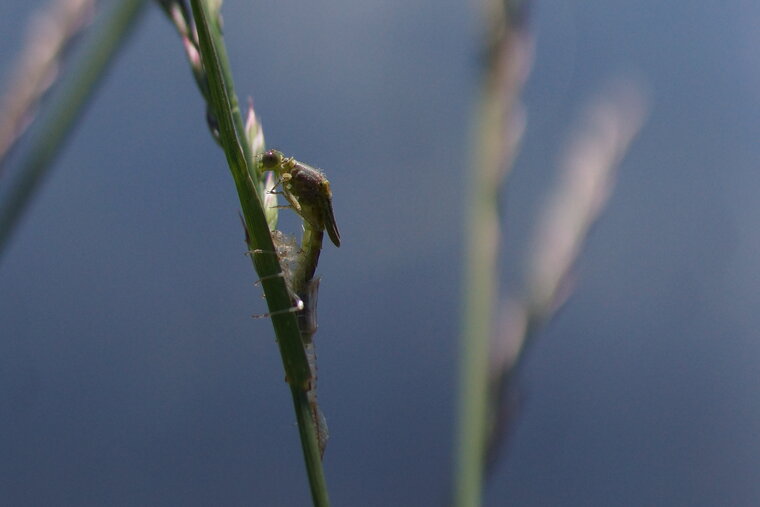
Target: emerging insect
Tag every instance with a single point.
(306, 189)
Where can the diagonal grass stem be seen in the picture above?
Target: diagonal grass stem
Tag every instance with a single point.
(232, 138)
(54, 128)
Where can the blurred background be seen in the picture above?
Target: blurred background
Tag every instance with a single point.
(132, 373)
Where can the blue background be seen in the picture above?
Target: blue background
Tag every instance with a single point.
(131, 372)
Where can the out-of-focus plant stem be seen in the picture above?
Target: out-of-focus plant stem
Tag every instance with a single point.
(587, 173)
(49, 34)
(54, 127)
(497, 134)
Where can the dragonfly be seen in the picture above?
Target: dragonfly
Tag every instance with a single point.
(306, 189)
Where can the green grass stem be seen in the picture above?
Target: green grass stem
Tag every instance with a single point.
(496, 138)
(53, 129)
(294, 359)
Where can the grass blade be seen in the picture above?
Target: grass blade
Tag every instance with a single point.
(56, 126)
(295, 362)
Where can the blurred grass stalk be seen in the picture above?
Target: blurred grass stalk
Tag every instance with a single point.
(586, 180)
(49, 34)
(498, 131)
(490, 357)
(53, 127)
(215, 80)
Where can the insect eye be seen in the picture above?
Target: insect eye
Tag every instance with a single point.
(271, 158)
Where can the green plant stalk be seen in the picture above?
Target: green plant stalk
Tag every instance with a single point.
(495, 146)
(480, 295)
(55, 127)
(231, 96)
(292, 351)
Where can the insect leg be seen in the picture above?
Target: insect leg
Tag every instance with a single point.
(259, 251)
(297, 308)
(257, 283)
